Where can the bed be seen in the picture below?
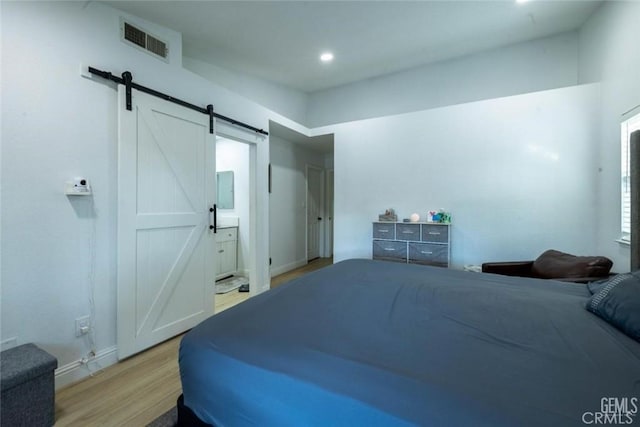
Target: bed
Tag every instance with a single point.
(371, 343)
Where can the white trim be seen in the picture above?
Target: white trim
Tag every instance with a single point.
(624, 241)
(630, 122)
(76, 371)
(253, 270)
(288, 267)
(8, 343)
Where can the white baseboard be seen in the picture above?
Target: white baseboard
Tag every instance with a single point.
(76, 371)
(275, 271)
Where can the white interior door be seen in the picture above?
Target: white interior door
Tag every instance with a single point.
(166, 252)
(314, 211)
(328, 249)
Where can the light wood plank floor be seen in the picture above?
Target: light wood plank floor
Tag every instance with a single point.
(313, 265)
(137, 390)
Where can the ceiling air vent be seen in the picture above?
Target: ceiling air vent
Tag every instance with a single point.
(143, 40)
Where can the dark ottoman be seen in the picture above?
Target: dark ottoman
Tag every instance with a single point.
(27, 387)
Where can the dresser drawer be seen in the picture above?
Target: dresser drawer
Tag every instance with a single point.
(435, 233)
(384, 231)
(429, 254)
(226, 234)
(408, 232)
(391, 251)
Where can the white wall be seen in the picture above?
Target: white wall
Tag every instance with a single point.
(609, 53)
(517, 173)
(290, 103)
(57, 252)
(234, 156)
(287, 203)
(540, 64)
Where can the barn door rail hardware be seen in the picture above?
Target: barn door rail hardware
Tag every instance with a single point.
(127, 81)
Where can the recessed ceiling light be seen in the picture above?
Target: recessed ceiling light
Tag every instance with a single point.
(326, 57)
(521, 1)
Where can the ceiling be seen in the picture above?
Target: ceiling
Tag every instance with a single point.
(281, 41)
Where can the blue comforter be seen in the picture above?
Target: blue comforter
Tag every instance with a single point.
(375, 343)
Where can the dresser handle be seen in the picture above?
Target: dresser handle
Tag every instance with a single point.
(435, 233)
(426, 253)
(389, 249)
(407, 232)
(383, 231)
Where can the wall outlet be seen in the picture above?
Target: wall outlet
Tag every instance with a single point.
(83, 326)
(8, 343)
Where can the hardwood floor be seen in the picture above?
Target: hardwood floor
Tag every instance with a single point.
(131, 393)
(311, 266)
(228, 300)
(137, 390)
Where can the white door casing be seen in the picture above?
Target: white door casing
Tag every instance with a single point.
(257, 274)
(328, 247)
(314, 211)
(165, 250)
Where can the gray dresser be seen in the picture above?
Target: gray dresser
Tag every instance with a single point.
(412, 242)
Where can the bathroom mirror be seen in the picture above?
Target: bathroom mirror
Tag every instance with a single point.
(225, 190)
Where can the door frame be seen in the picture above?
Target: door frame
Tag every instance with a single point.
(321, 239)
(256, 204)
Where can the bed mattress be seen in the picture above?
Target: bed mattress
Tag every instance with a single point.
(376, 343)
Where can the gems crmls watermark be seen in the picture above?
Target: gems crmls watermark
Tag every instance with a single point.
(613, 411)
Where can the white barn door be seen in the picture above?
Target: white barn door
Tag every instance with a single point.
(165, 250)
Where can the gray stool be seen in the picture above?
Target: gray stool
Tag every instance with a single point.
(27, 387)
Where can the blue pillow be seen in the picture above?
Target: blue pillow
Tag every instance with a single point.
(618, 302)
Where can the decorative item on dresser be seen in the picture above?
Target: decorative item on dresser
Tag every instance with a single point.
(413, 243)
(388, 215)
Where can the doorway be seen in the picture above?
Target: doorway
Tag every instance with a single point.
(235, 239)
(328, 235)
(315, 208)
(290, 152)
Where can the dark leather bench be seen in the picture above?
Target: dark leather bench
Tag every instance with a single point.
(555, 265)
